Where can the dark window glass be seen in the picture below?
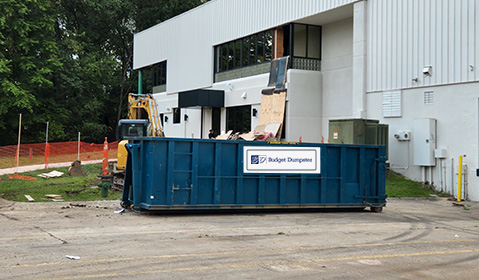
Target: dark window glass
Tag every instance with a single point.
(216, 120)
(238, 54)
(231, 55)
(245, 52)
(238, 119)
(218, 63)
(163, 73)
(252, 50)
(300, 39)
(224, 57)
(176, 115)
(314, 42)
(158, 74)
(287, 40)
(154, 74)
(260, 48)
(268, 49)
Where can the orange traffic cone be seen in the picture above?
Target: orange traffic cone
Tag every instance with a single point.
(105, 170)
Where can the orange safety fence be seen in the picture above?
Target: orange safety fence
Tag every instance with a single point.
(31, 154)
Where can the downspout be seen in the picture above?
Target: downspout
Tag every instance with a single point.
(140, 78)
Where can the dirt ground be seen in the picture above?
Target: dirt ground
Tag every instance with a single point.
(410, 239)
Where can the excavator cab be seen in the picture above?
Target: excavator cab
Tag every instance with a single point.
(132, 128)
(143, 120)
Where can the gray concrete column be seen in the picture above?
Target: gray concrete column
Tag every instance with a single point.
(360, 23)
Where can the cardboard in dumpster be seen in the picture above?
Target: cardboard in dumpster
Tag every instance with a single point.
(52, 174)
(224, 136)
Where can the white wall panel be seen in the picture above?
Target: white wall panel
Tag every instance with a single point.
(476, 45)
(405, 36)
(187, 40)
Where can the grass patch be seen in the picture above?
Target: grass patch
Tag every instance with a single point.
(80, 188)
(399, 186)
(70, 188)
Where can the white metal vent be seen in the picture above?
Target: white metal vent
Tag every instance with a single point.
(429, 97)
(392, 104)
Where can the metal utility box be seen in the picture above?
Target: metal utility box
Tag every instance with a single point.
(358, 131)
(175, 173)
(424, 139)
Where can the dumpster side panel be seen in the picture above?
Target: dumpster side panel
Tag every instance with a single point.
(156, 169)
(206, 174)
(331, 174)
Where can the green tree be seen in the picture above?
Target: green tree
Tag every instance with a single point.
(69, 63)
(27, 59)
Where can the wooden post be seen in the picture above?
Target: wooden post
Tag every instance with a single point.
(18, 145)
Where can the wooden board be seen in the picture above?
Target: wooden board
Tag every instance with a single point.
(272, 108)
(272, 112)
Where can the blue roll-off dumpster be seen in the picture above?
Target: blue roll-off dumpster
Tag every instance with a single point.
(187, 174)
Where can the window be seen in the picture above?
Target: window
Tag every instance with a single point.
(176, 115)
(245, 55)
(237, 54)
(216, 120)
(268, 48)
(314, 42)
(238, 119)
(159, 74)
(306, 41)
(243, 52)
(300, 38)
(231, 55)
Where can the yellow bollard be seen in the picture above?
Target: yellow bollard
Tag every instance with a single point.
(459, 179)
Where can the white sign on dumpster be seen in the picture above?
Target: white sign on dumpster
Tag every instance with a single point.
(281, 160)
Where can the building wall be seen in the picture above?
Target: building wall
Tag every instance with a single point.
(191, 128)
(401, 38)
(304, 106)
(336, 69)
(455, 107)
(405, 36)
(187, 41)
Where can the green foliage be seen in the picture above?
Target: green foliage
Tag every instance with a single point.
(70, 188)
(27, 58)
(69, 63)
(399, 186)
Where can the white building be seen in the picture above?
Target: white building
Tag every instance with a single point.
(411, 64)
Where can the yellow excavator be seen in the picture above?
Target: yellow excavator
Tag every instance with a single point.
(143, 120)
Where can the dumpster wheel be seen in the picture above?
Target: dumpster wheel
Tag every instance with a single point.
(125, 205)
(376, 209)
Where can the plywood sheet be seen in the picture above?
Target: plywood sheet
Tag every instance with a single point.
(272, 108)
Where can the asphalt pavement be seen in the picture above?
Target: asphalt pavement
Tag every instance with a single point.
(410, 239)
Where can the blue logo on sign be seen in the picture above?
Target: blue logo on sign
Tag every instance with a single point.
(255, 159)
